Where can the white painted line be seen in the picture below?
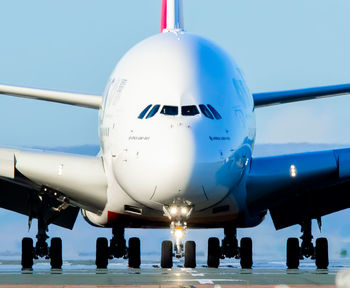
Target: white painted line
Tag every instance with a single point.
(205, 281)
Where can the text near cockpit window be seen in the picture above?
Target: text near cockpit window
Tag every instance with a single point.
(170, 110)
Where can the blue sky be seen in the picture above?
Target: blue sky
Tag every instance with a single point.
(74, 46)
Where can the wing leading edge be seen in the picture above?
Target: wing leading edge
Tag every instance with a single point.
(282, 97)
(299, 187)
(83, 100)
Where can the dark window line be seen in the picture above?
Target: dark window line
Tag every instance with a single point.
(170, 110)
(143, 113)
(153, 111)
(189, 110)
(215, 113)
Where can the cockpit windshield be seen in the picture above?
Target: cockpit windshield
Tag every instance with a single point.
(143, 113)
(206, 111)
(215, 113)
(189, 110)
(170, 110)
(153, 111)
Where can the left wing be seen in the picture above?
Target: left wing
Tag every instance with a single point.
(299, 187)
(281, 97)
(83, 100)
(52, 184)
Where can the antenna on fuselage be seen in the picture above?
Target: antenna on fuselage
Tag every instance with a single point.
(171, 16)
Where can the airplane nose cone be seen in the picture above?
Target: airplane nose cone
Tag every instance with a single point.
(169, 166)
(157, 169)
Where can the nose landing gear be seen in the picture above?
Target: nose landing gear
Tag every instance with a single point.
(178, 214)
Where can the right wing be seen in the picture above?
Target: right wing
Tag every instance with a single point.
(83, 100)
(57, 183)
(300, 186)
(281, 97)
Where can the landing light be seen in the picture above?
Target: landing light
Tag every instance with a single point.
(293, 171)
(179, 233)
(173, 210)
(184, 211)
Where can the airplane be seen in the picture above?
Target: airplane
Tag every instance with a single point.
(177, 128)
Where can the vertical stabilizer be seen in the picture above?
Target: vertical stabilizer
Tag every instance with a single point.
(171, 15)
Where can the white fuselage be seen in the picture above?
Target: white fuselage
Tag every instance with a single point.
(156, 161)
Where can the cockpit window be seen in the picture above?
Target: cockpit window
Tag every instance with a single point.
(215, 113)
(189, 110)
(143, 113)
(206, 111)
(170, 110)
(153, 111)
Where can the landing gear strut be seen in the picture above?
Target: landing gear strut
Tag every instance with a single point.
(118, 249)
(307, 249)
(41, 249)
(229, 249)
(178, 213)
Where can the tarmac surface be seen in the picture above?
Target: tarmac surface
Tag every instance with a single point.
(118, 275)
(176, 277)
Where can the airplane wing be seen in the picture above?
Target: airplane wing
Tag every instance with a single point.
(83, 100)
(299, 187)
(59, 183)
(281, 97)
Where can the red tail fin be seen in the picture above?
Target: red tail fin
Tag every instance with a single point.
(172, 15)
(163, 19)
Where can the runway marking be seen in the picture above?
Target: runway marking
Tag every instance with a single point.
(205, 281)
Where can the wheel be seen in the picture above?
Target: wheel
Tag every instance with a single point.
(213, 252)
(246, 253)
(190, 254)
(134, 253)
(101, 253)
(167, 254)
(293, 253)
(322, 253)
(56, 253)
(27, 253)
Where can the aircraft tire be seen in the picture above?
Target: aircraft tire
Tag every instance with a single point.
(27, 254)
(293, 253)
(246, 253)
(101, 253)
(167, 254)
(56, 253)
(322, 260)
(190, 254)
(134, 252)
(213, 252)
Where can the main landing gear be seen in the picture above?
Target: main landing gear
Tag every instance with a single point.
(41, 249)
(307, 250)
(229, 249)
(118, 249)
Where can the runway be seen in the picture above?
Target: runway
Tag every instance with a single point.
(176, 277)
